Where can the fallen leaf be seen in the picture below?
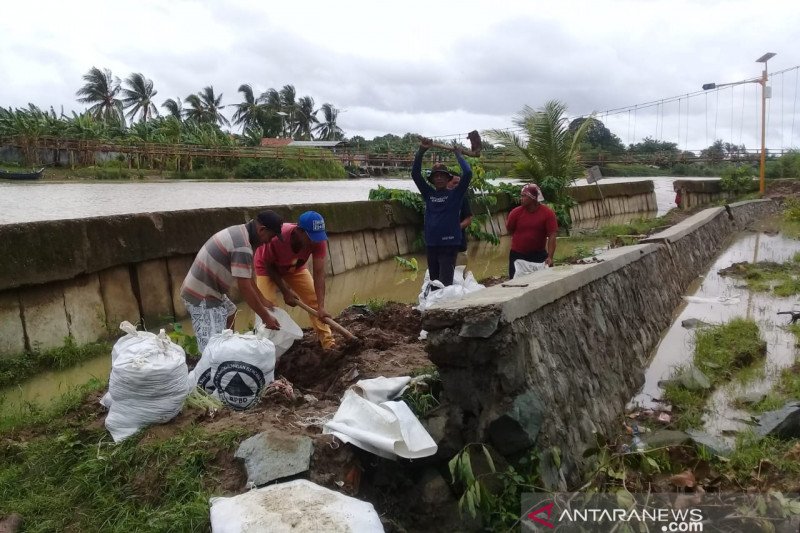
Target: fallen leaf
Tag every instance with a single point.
(684, 479)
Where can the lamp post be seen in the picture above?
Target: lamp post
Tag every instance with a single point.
(764, 90)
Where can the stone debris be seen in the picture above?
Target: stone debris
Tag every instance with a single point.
(273, 455)
(783, 423)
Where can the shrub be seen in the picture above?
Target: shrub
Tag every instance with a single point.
(737, 180)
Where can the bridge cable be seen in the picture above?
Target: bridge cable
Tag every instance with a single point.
(794, 111)
(741, 121)
(679, 122)
(731, 137)
(706, 119)
(716, 115)
(629, 127)
(686, 146)
(634, 124)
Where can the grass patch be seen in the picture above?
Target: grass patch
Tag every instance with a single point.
(751, 452)
(642, 226)
(422, 396)
(571, 249)
(60, 474)
(18, 368)
(783, 279)
(721, 353)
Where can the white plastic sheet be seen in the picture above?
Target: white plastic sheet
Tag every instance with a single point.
(235, 367)
(292, 507)
(724, 300)
(148, 382)
(523, 268)
(386, 428)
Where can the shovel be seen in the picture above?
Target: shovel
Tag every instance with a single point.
(331, 322)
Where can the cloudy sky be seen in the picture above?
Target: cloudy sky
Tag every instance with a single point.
(436, 68)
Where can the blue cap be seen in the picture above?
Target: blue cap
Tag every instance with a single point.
(314, 225)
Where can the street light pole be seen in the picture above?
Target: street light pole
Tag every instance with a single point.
(763, 82)
(762, 168)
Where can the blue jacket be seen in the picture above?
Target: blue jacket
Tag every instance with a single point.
(442, 208)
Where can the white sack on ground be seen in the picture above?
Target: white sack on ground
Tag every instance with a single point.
(282, 338)
(388, 429)
(298, 505)
(148, 382)
(434, 292)
(522, 267)
(240, 365)
(724, 300)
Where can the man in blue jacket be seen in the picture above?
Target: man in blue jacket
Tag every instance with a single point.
(442, 213)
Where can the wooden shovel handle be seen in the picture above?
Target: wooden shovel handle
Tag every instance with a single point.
(331, 322)
(450, 148)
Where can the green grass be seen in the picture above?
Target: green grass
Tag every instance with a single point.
(783, 279)
(733, 350)
(20, 367)
(641, 226)
(750, 451)
(67, 477)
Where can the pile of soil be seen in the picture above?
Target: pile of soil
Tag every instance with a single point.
(387, 345)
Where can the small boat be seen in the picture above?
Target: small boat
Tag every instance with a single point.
(35, 175)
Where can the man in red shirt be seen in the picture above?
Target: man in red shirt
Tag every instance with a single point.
(281, 265)
(533, 228)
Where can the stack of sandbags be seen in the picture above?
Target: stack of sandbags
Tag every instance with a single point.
(148, 383)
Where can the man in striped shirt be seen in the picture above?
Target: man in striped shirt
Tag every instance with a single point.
(225, 257)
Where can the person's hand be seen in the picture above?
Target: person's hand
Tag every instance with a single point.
(548, 261)
(426, 143)
(322, 313)
(290, 298)
(271, 322)
(268, 304)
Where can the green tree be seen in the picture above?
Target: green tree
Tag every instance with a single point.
(101, 90)
(206, 107)
(714, 153)
(598, 136)
(547, 152)
(250, 113)
(305, 118)
(138, 97)
(174, 107)
(652, 146)
(327, 129)
(288, 106)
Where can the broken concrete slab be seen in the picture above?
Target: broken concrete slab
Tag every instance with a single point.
(665, 437)
(273, 455)
(692, 323)
(783, 423)
(715, 445)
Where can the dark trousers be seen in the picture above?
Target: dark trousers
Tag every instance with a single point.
(442, 263)
(538, 256)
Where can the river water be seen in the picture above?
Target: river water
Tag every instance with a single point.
(34, 201)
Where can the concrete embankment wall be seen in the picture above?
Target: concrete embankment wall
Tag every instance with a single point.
(548, 359)
(81, 277)
(613, 199)
(695, 193)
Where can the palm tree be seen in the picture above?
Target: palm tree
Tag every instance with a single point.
(138, 96)
(100, 90)
(250, 112)
(327, 130)
(205, 107)
(548, 152)
(272, 122)
(288, 106)
(305, 118)
(175, 107)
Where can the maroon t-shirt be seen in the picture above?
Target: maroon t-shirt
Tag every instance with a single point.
(528, 230)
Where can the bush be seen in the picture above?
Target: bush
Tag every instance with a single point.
(737, 180)
(289, 169)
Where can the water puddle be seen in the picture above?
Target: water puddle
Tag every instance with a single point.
(716, 299)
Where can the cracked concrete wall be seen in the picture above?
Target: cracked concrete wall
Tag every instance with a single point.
(546, 360)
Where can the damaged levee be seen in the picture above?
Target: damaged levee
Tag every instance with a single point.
(547, 363)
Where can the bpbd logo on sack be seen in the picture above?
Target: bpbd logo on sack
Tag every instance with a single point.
(205, 381)
(238, 384)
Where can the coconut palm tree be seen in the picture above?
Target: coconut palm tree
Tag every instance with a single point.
(204, 107)
(251, 111)
(101, 90)
(272, 122)
(174, 107)
(327, 130)
(305, 118)
(288, 106)
(138, 97)
(547, 152)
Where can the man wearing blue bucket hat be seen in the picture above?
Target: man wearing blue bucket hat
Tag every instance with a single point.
(281, 265)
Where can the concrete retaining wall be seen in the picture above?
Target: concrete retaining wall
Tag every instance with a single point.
(550, 359)
(81, 277)
(695, 193)
(613, 199)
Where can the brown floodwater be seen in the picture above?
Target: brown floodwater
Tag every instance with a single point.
(717, 299)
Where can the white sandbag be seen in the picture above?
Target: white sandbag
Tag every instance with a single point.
(240, 365)
(296, 506)
(282, 338)
(389, 429)
(381, 389)
(200, 376)
(523, 268)
(434, 292)
(148, 382)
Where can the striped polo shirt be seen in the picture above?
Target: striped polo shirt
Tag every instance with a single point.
(226, 255)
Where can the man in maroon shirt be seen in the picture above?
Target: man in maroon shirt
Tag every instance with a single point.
(533, 228)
